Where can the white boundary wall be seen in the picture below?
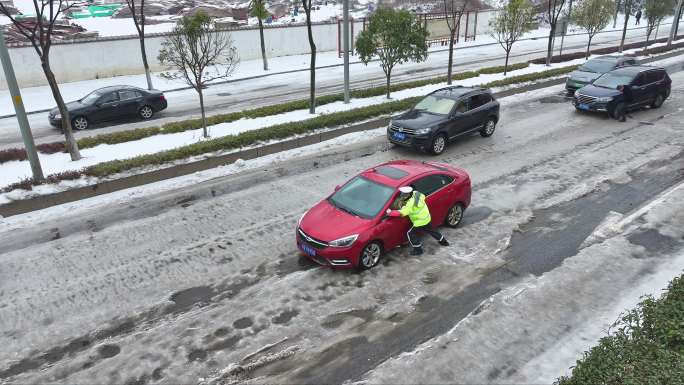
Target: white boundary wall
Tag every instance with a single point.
(108, 57)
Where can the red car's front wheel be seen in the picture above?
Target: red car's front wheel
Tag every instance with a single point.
(370, 256)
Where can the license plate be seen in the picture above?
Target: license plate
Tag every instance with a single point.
(399, 136)
(583, 106)
(308, 249)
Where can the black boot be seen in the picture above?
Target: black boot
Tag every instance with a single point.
(444, 242)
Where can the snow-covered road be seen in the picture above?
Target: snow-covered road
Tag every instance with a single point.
(252, 93)
(204, 282)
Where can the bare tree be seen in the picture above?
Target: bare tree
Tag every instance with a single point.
(628, 7)
(656, 11)
(258, 10)
(198, 54)
(511, 23)
(452, 15)
(554, 8)
(312, 83)
(593, 16)
(39, 34)
(138, 14)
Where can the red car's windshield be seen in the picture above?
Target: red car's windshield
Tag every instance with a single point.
(362, 197)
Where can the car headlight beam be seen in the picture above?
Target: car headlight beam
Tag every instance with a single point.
(344, 242)
(423, 131)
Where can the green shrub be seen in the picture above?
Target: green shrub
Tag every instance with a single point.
(118, 137)
(645, 346)
(530, 77)
(500, 69)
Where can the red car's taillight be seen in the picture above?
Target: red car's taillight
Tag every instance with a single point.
(162, 98)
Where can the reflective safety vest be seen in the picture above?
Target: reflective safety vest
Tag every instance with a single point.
(416, 209)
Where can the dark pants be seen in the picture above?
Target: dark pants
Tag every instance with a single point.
(414, 235)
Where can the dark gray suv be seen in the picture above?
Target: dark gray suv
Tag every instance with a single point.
(444, 115)
(625, 89)
(594, 68)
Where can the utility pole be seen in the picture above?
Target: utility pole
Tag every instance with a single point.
(19, 109)
(565, 27)
(675, 22)
(345, 45)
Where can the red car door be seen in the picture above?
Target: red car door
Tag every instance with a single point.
(392, 230)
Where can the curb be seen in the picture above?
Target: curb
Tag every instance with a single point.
(105, 187)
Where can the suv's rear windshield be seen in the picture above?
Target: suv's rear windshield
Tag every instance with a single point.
(435, 105)
(597, 66)
(612, 81)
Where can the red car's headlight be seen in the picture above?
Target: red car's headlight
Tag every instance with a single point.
(344, 242)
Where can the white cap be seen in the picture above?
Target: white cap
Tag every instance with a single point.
(406, 189)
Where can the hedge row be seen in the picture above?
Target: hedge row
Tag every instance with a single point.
(500, 69)
(646, 345)
(530, 77)
(28, 183)
(276, 132)
(609, 50)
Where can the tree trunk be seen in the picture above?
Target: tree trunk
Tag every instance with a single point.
(588, 48)
(549, 51)
(200, 91)
(617, 10)
(144, 59)
(263, 44)
(72, 146)
(451, 56)
(648, 38)
(388, 76)
(624, 30)
(508, 54)
(312, 97)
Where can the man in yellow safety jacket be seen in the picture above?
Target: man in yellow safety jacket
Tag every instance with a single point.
(417, 210)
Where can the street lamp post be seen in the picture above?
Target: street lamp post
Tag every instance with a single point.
(345, 40)
(24, 127)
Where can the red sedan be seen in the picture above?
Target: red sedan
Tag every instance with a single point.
(350, 229)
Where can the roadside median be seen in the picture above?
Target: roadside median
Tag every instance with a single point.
(114, 175)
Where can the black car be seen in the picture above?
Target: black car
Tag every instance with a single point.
(595, 67)
(625, 89)
(444, 115)
(111, 103)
